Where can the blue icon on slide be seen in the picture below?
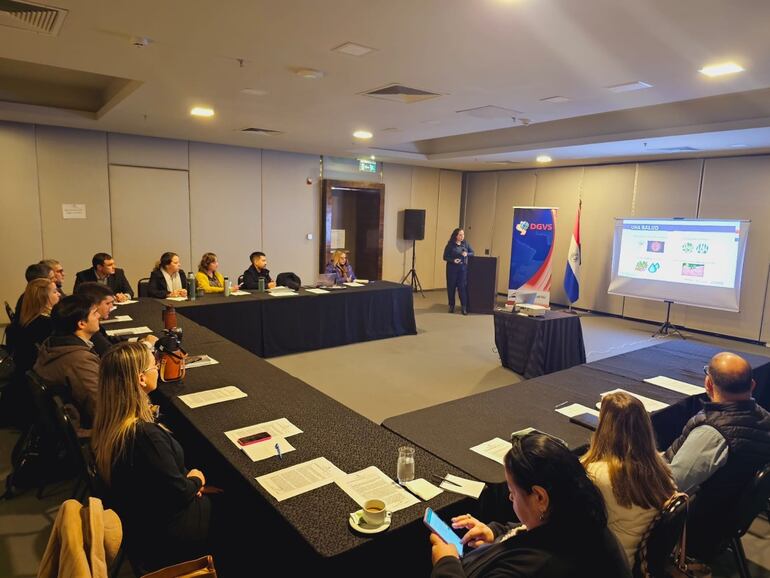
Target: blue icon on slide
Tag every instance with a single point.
(653, 268)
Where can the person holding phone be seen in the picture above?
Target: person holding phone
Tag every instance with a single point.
(563, 530)
(625, 465)
(456, 255)
(161, 504)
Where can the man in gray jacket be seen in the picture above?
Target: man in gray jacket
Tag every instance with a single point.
(67, 361)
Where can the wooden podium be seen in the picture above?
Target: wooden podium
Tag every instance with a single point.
(482, 284)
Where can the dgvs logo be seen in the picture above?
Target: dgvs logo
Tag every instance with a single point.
(525, 226)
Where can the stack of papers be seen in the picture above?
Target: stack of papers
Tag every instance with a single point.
(495, 449)
(317, 291)
(353, 284)
(574, 409)
(462, 486)
(676, 385)
(239, 292)
(199, 361)
(210, 396)
(371, 483)
(281, 291)
(129, 331)
(649, 404)
(296, 480)
(176, 298)
(116, 319)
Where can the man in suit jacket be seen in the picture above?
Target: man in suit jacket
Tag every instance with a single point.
(105, 272)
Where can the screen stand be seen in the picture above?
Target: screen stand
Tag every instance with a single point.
(415, 281)
(668, 328)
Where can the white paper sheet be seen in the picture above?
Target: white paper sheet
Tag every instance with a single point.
(296, 480)
(129, 302)
(353, 284)
(494, 449)
(202, 362)
(129, 331)
(423, 488)
(317, 291)
(266, 449)
(176, 298)
(116, 319)
(649, 404)
(676, 385)
(279, 428)
(238, 293)
(210, 396)
(574, 409)
(463, 486)
(362, 281)
(371, 483)
(283, 294)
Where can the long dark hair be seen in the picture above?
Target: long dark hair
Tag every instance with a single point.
(165, 260)
(536, 459)
(453, 238)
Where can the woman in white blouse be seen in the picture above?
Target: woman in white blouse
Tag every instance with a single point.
(167, 279)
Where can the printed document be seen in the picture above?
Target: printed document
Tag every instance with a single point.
(649, 404)
(574, 409)
(462, 486)
(371, 483)
(129, 331)
(495, 449)
(296, 480)
(676, 385)
(116, 319)
(210, 396)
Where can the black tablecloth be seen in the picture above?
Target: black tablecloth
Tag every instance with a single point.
(533, 346)
(270, 326)
(316, 522)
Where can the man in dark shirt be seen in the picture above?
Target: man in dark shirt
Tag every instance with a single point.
(58, 274)
(105, 272)
(258, 269)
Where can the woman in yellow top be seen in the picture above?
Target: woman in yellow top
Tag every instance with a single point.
(207, 277)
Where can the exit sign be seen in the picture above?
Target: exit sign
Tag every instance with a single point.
(367, 166)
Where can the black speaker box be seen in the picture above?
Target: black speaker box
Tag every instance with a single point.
(414, 224)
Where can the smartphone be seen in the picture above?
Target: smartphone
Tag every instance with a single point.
(587, 420)
(442, 530)
(254, 438)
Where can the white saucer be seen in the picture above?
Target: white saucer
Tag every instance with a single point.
(357, 522)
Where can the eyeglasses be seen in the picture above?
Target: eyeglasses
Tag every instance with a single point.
(706, 370)
(156, 367)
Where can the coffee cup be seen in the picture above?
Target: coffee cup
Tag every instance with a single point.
(374, 512)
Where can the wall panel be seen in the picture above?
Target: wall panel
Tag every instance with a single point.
(449, 193)
(480, 211)
(396, 253)
(425, 193)
(146, 151)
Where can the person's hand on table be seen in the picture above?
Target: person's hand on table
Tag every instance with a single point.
(271, 285)
(121, 297)
(441, 549)
(478, 533)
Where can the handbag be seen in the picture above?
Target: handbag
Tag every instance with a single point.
(172, 358)
(200, 568)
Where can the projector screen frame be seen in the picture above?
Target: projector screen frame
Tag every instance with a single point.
(625, 282)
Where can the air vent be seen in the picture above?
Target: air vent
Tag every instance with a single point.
(401, 93)
(262, 131)
(33, 17)
(490, 112)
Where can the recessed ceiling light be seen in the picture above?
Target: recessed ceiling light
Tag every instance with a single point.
(309, 73)
(353, 49)
(363, 134)
(629, 86)
(254, 91)
(555, 99)
(543, 159)
(371, 157)
(721, 69)
(202, 111)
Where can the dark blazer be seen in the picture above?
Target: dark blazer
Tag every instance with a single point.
(117, 281)
(157, 286)
(542, 553)
(251, 277)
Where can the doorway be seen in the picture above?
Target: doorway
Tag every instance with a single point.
(352, 221)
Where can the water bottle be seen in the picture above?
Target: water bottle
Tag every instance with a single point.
(405, 464)
(227, 286)
(191, 288)
(261, 284)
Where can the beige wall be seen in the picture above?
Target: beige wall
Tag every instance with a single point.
(737, 187)
(240, 200)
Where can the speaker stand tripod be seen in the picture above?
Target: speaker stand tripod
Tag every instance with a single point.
(667, 325)
(415, 280)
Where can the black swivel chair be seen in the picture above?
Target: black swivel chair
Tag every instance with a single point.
(77, 452)
(660, 539)
(141, 287)
(9, 312)
(46, 426)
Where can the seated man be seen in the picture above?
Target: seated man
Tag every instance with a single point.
(257, 270)
(58, 274)
(103, 297)
(720, 450)
(67, 360)
(105, 272)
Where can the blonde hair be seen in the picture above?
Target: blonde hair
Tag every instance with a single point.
(35, 302)
(121, 403)
(336, 257)
(206, 260)
(625, 441)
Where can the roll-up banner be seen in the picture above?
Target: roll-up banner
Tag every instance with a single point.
(532, 255)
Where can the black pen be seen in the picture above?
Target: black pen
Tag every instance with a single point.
(445, 480)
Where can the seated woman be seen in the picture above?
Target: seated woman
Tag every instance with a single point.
(167, 279)
(340, 268)
(160, 502)
(563, 530)
(207, 277)
(624, 464)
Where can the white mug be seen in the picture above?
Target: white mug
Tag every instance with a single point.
(374, 512)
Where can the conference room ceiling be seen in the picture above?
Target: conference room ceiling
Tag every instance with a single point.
(478, 78)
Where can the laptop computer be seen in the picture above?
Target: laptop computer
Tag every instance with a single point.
(325, 280)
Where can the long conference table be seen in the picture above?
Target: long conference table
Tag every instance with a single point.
(312, 526)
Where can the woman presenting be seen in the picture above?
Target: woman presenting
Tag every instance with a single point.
(456, 255)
